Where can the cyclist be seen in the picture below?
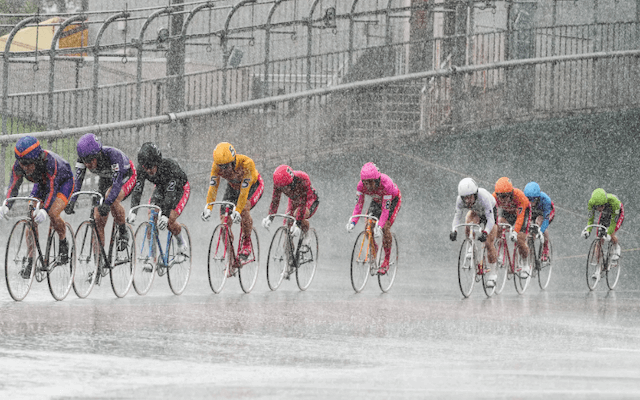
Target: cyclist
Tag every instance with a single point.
(482, 210)
(170, 194)
(303, 200)
(386, 200)
(244, 189)
(542, 213)
(515, 210)
(52, 183)
(117, 178)
(611, 215)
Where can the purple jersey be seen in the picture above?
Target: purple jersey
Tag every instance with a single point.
(113, 164)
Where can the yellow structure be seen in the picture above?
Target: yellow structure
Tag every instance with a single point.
(39, 37)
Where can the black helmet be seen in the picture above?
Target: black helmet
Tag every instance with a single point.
(149, 155)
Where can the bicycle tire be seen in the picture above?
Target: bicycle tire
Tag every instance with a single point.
(385, 281)
(121, 263)
(60, 276)
(278, 258)
(466, 269)
(361, 260)
(146, 259)
(488, 290)
(84, 279)
(248, 273)
(16, 261)
(595, 262)
(502, 268)
(179, 264)
(613, 270)
(521, 280)
(307, 262)
(219, 258)
(545, 267)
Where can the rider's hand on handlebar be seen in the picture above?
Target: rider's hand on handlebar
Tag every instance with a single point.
(163, 221)
(131, 218)
(483, 236)
(206, 214)
(69, 209)
(453, 235)
(40, 217)
(377, 231)
(585, 233)
(103, 209)
(266, 223)
(295, 230)
(513, 236)
(350, 226)
(4, 210)
(236, 217)
(607, 237)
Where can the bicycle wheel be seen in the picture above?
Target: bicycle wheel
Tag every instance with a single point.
(385, 281)
(502, 267)
(60, 275)
(179, 264)
(613, 269)
(521, 279)
(278, 257)
(146, 258)
(466, 269)
(361, 259)
(545, 266)
(84, 278)
(18, 265)
(307, 261)
(122, 263)
(248, 273)
(219, 261)
(488, 290)
(594, 264)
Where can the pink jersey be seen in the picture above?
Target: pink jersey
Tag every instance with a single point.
(384, 194)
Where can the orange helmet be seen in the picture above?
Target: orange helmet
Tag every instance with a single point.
(504, 185)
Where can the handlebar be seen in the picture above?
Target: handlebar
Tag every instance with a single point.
(471, 225)
(598, 226)
(89, 192)
(223, 203)
(363, 215)
(152, 206)
(25, 198)
(285, 216)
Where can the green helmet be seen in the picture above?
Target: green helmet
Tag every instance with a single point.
(598, 197)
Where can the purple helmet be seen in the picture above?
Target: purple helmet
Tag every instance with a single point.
(88, 145)
(28, 148)
(369, 171)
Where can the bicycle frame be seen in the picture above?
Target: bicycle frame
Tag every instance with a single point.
(92, 221)
(229, 209)
(293, 256)
(475, 228)
(42, 265)
(152, 232)
(505, 227)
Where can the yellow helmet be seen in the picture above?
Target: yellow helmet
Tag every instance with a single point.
(224, 153)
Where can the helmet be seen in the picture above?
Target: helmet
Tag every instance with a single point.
(224, 153)
(369, 171)
(28, 148)
(282, 176)
(466, 187)
(599, 197)
(532, 190)
(149, 155)
(88, 145)
(504, 185)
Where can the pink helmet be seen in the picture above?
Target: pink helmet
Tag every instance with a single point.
(369, 171)
(282, 176)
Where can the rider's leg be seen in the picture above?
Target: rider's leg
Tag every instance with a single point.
(58, 224)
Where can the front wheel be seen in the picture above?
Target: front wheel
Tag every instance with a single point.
(278, 257)
(545, 265)
(489, 288)
(307, 261)
(385, 281)
(20, 260)
(122, 262)
(146, 258)
(61, 269)
(362, 258)
(595, 261)
(613, 269)
(521, 278)
(179, 263)
(466, 267)
(248, 273)
(502, 264)
(219, 260)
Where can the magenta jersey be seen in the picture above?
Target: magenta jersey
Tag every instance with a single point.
(384, 194)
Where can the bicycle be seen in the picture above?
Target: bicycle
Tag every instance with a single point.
(472, 269)
(520, 278)
(599, 263)
(94, 263)
(366, 259)
(284, 259)
(20, 266)
(153, 258)
(543, 265)
(223, 261)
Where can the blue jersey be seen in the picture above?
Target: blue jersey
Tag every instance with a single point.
(543, 208)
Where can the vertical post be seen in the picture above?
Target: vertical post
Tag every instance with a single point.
(175, 69)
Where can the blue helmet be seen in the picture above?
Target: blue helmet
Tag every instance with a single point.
(532, 190)
(28, 148)
(88, 145)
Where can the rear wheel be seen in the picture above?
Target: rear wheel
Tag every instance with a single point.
(545, 265)
(307, 261)
(594, 264)
(248, 273)
(60, 273)
(385, 281)
(278, 258)
(502, 268)
(362, 257)
(466, 268)
(122, 262)
(179, 263)
(219, 260)
(146, 258)
(19, 262)
(88, 254)
(613, 269)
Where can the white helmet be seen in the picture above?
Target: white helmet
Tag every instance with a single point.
(466, 187)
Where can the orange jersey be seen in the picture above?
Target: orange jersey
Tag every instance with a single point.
(518, 204)
(241, 178)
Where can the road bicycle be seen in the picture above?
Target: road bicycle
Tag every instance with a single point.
(543, 263)
(152, 258)
(366, 259)
(24, 259)
(472, 262)
(599, 263)
(94, 263)
(285, 258)
(223, 260)
(520, 278)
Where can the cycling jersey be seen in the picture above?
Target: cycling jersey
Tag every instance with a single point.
(518, 205)
(383, 195)
(114, 169)
(613, 211)
(241, 178)
(545, 208)
(170, 183)
(52, 179)
(484, 206)
(301, 196)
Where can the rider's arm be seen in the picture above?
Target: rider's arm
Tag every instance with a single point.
(303, 188)
(359, 202)
(592, 215)
(51, 174)
(615, 212)
(81, 171)
(14, 183)
(250, 177)
(120, 168)
(546, 211)
(488, 204)
(138, 188)
(458, 213)
(522, 204)
(214, 182)
(275, 201)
